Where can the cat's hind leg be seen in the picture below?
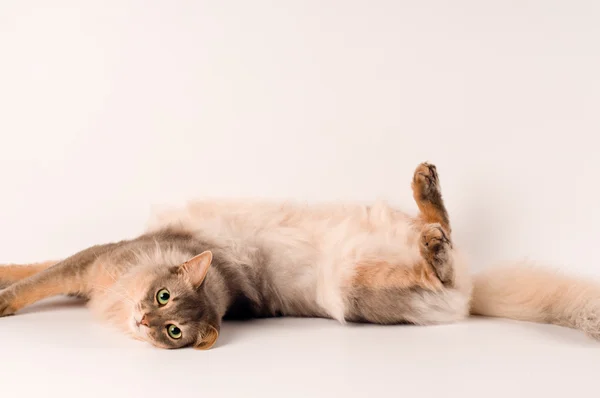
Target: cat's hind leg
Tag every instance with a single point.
(423, 293)
(12, 273)
(69, 276)
(436, 250)
(427, 193)
(435, 243)
(391, 294)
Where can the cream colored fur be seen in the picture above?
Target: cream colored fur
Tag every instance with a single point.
(116, 287)
(314, 251)
(527, 292)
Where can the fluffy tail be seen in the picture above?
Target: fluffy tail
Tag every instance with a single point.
(528, 293)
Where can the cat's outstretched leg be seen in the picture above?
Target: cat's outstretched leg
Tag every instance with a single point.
(12, 273)
(69, 276)
(428, 195)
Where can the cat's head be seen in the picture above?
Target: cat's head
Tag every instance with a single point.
(172, 308)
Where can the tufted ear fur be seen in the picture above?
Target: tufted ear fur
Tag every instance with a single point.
(196, 268)
(208, 339)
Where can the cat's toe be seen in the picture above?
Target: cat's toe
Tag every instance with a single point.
(6, 307)
(435, 249)
(425, 180)
(434, 239)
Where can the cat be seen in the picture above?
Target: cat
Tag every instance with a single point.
(215, 260)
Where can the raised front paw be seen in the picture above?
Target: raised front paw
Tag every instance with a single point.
(426, 182)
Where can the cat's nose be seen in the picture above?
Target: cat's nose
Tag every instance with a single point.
(144, 321)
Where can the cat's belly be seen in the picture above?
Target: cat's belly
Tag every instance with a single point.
(291, 290)
(344, 253)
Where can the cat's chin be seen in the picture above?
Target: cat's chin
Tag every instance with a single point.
(137, 331)
(140, 334)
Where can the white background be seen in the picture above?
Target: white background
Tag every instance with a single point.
(109, 107)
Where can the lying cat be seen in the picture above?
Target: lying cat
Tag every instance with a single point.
(208, 261)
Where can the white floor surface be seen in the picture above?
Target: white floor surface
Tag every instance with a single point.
(56, 349)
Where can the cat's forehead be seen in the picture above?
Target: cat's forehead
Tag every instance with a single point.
(185, 305)
(175, 284)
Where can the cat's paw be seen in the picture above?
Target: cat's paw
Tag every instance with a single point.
(435, 249)
(6, 304)
(426, 182)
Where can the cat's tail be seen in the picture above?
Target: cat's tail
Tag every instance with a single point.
(11, 273)
(529, 293)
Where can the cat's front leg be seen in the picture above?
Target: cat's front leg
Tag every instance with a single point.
(48, 283)
(69, 277)
(11, 273)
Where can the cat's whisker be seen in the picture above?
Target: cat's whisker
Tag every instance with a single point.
(122, 295)
(124, 292)
(137, 254)
(111, 276)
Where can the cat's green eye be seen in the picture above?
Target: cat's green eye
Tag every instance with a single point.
(174, 332)
(163, 296)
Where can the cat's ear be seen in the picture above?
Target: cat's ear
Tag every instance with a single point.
(207, 339)
(196, 268)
